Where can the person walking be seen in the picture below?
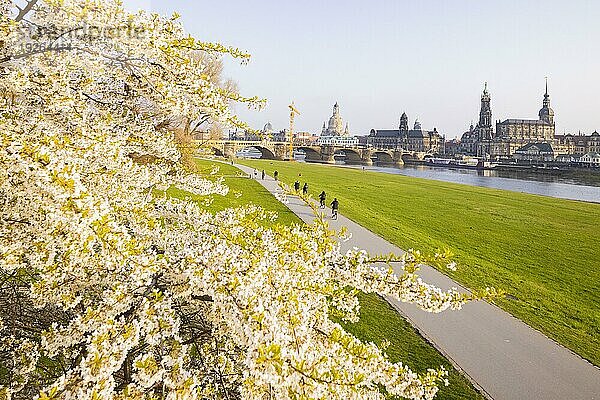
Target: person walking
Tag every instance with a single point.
(263, 174)
(297, 186)
(276, 175)
(305, 189)
(255, 174)
(322, 198)
(335, 205)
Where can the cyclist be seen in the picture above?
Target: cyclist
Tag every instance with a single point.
(335, 205)
(322, 198)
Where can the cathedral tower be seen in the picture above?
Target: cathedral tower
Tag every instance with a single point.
(484, 127)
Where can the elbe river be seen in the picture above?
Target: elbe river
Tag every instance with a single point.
(578, 188)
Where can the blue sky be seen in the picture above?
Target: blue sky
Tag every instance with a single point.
(429, 58)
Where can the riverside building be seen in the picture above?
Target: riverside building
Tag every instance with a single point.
(335, 126)
(513, 134)
(334, 133)
(403, 138)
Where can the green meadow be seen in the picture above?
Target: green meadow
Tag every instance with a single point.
(544, 252)
(242, 191)
(379, 321)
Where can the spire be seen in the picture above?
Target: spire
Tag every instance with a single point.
(485, 88)
(546, 102)
(546, 113)
(346, 131)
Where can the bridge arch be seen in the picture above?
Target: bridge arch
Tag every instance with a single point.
(352, 156)
(311, 153)
(264, 152)
(216, 151)
(408, 157)
(383, 157)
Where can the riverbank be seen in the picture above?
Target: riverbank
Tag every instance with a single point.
(542, 250)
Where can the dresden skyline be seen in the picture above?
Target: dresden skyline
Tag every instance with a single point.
(429, 59)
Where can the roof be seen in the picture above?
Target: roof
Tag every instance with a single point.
(592, 154)
(524, 121)
(385, 132)
(412, 133)
(417, 133)
(542, 148)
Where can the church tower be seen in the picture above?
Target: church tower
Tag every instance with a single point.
(484, 127)
(403, 123)
(546, 113)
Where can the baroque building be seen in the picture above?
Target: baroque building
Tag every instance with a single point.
(512, 134)
(416, 139)
(335, 127)
(577, 144)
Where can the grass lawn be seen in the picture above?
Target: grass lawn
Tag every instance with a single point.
(379, 320)
(242, 191)
(544, 252)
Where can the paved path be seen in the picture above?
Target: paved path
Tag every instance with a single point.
(502, 356)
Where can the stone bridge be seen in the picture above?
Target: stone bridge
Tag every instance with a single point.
(324, 154)
(228, 148)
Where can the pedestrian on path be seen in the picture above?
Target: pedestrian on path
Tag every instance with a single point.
(276, 175)
(297, 186)
(335, 205)
(305, 189)
(322, 198)
(255, 174)
(263, 174)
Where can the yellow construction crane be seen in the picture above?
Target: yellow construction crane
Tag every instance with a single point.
(293, 112)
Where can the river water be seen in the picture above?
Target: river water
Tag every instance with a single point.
(578, 188)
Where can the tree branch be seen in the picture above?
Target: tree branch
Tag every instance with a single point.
(25, 10)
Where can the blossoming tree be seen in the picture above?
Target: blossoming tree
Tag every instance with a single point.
(109, 291)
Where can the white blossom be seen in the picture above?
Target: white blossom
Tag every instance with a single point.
(117, 291)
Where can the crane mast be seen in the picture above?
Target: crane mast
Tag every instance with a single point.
(293, 112)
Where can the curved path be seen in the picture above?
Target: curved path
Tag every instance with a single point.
(502, 356)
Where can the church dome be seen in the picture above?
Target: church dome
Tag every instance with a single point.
(335, 125)
(268, 127)
(417, 126)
